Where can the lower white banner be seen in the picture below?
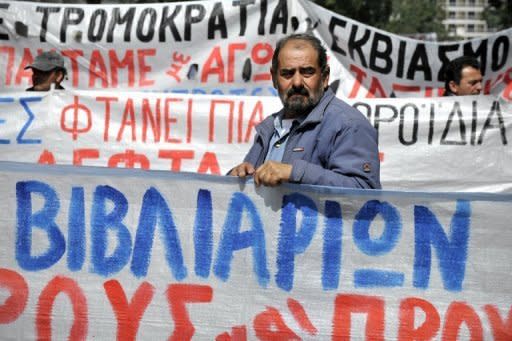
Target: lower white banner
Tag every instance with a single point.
(101, 253)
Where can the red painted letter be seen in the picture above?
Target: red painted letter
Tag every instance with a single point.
(45, 308)
(15, 304)
(177, 296)
(345, 305)
(128, 314)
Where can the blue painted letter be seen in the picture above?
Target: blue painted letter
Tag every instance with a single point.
(154, 206)
(452, 254)
(103, 221)
(378, 246)
(76, 230)
(203, 236)
(332, 245)
(293, 241)
(43, 219)
(232, 239)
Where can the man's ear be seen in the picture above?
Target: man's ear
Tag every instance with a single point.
(453, 87)
(325, 76)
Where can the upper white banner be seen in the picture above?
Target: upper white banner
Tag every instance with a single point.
(225, 47)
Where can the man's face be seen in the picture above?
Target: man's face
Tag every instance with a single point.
(470, 82)
(42, 80)
(298, 78)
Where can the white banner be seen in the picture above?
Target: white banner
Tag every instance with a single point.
(226, 47)
(442, 144)
(102, 253)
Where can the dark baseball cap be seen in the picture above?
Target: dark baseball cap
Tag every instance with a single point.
(47, 61)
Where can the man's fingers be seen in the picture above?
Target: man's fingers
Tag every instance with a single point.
(242, 170)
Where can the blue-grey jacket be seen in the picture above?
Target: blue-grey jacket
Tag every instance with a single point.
(335, 145)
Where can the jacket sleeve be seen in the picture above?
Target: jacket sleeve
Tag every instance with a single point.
(351, 160)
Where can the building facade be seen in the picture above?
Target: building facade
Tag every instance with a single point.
(464, 18)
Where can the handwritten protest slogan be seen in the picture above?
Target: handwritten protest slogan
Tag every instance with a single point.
(442, 144)
(226, 47)
(105, 253)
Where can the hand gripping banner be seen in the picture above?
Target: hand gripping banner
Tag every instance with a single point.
(98, 253)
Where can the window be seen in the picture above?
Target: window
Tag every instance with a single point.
(471, 15)
(451, 15)
(471, 28)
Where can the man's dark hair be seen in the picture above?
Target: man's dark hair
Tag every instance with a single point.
(314, 41)
(453, 71)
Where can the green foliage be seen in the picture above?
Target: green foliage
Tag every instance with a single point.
(498, 14)
(409, 17)
(370, 12)
(396, 16)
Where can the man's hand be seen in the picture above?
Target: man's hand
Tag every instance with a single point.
(272, 173)
(242, 170)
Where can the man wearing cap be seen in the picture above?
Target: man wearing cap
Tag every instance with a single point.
(47, 69)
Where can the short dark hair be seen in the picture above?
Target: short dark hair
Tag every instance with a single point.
(453, 71)
(314, 41)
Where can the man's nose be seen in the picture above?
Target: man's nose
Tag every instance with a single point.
(297, 80)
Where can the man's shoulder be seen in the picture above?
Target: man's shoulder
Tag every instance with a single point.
(339, 110)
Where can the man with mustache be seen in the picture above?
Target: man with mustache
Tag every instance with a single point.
(316, 138)
(47, 69)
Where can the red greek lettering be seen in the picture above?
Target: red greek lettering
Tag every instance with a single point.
(457, 314)
(81, 154)
(128, 120)
(154, 120)
(299, 314)
(209, 164)
(270, 326)
(97, 70)
(211, 123)
(143, 67)
(9, 50)
(231, 59)
(73, 55)
(21, 74)
(261, 54)
(169, 120)
(107, 101)
(345, 305)
(177, 296)
(128, 315)
(238, 333)
(176, 156)
(116, 64)
(256, 118)
(376, 89)
(46, 158)
(431, 323)
(76, 109)
(45, 306)
(14, 305)
(406, 88)
(130, 159)
(501, 330)
(360, 76)
(213, 66)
